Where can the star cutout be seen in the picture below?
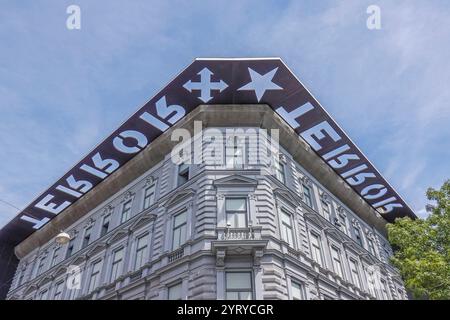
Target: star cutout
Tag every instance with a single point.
(261, 83)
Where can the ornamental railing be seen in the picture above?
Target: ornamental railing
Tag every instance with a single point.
(248, 233)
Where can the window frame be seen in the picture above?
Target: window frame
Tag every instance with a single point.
(235, 213)
(175, 228)
(283, 226)
(141, 252)
(126, 211)
(116, 272)
(239, 290)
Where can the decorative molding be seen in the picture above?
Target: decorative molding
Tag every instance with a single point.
(127, 196)
(220, 257)
(149, 181)
(306, 180)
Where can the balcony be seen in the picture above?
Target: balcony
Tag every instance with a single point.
(250, 233)
(238, 241)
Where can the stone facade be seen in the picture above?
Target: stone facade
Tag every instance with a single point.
(216, 232)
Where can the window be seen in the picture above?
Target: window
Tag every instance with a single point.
(70, 247)
(174, 292)
(371, 246)
(340, 222)
(234, 153)
(358, 236)
(126, 211)
(354, 272)
(286, 228)
(371, 283)
(58, 290)
(236, 212)
(316, 248)
(87, 237)
(95, 276)
(326, 209)
(183, 174)
(141, 250)
(105, 224)
(21, 277)
(149, 196)
(384, 289)
(117, 264)
(239, 286)
(44, 295)
(40, 266)
(55, 256)
(179, 230)
(336, 259)
(279, 170)
(297, 291)
(307, 197)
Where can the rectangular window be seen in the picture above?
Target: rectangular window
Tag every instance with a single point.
(336, 259)
(126, 211)
(297, 291)
(70, 248)
(149, 196)
(41, 266)
(87, 237)
(117, 264)
(175, 292)
(371, 246)
(141, 251)
(236, 212)
(287, 233)
(234, 153)
(55, 257)
(95, 276)
(326, 209)
(316, 248)
(58, 290)
(44, 295)
(384, 289)
(358, 236)
(307, 197)
(179, 230)
(21, 277)
(238, 286)
(183, 174)
(279, 170)
(354, 272)
(105, 224)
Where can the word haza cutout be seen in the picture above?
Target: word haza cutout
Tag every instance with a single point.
(216, 81)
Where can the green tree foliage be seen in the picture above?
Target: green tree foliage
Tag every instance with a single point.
(422, 248)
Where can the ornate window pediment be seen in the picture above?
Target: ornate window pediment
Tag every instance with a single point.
(307, 181)
(235, 180)
(291, 198)
(142, 220)
(118, 235)
(127, 196)
(99, 247)
(179, 196)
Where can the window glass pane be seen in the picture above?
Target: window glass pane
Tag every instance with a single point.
(245, 295)
(297, 293)
(241, 223)
(118, 255)
(176, 239)
(180, 219)
(285, 218)
(174, 292)
(238, 280)
(232, 296)
(235, 204)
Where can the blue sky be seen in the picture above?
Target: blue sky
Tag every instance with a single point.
(63, 91)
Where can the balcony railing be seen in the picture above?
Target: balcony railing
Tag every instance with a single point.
(248, 233)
